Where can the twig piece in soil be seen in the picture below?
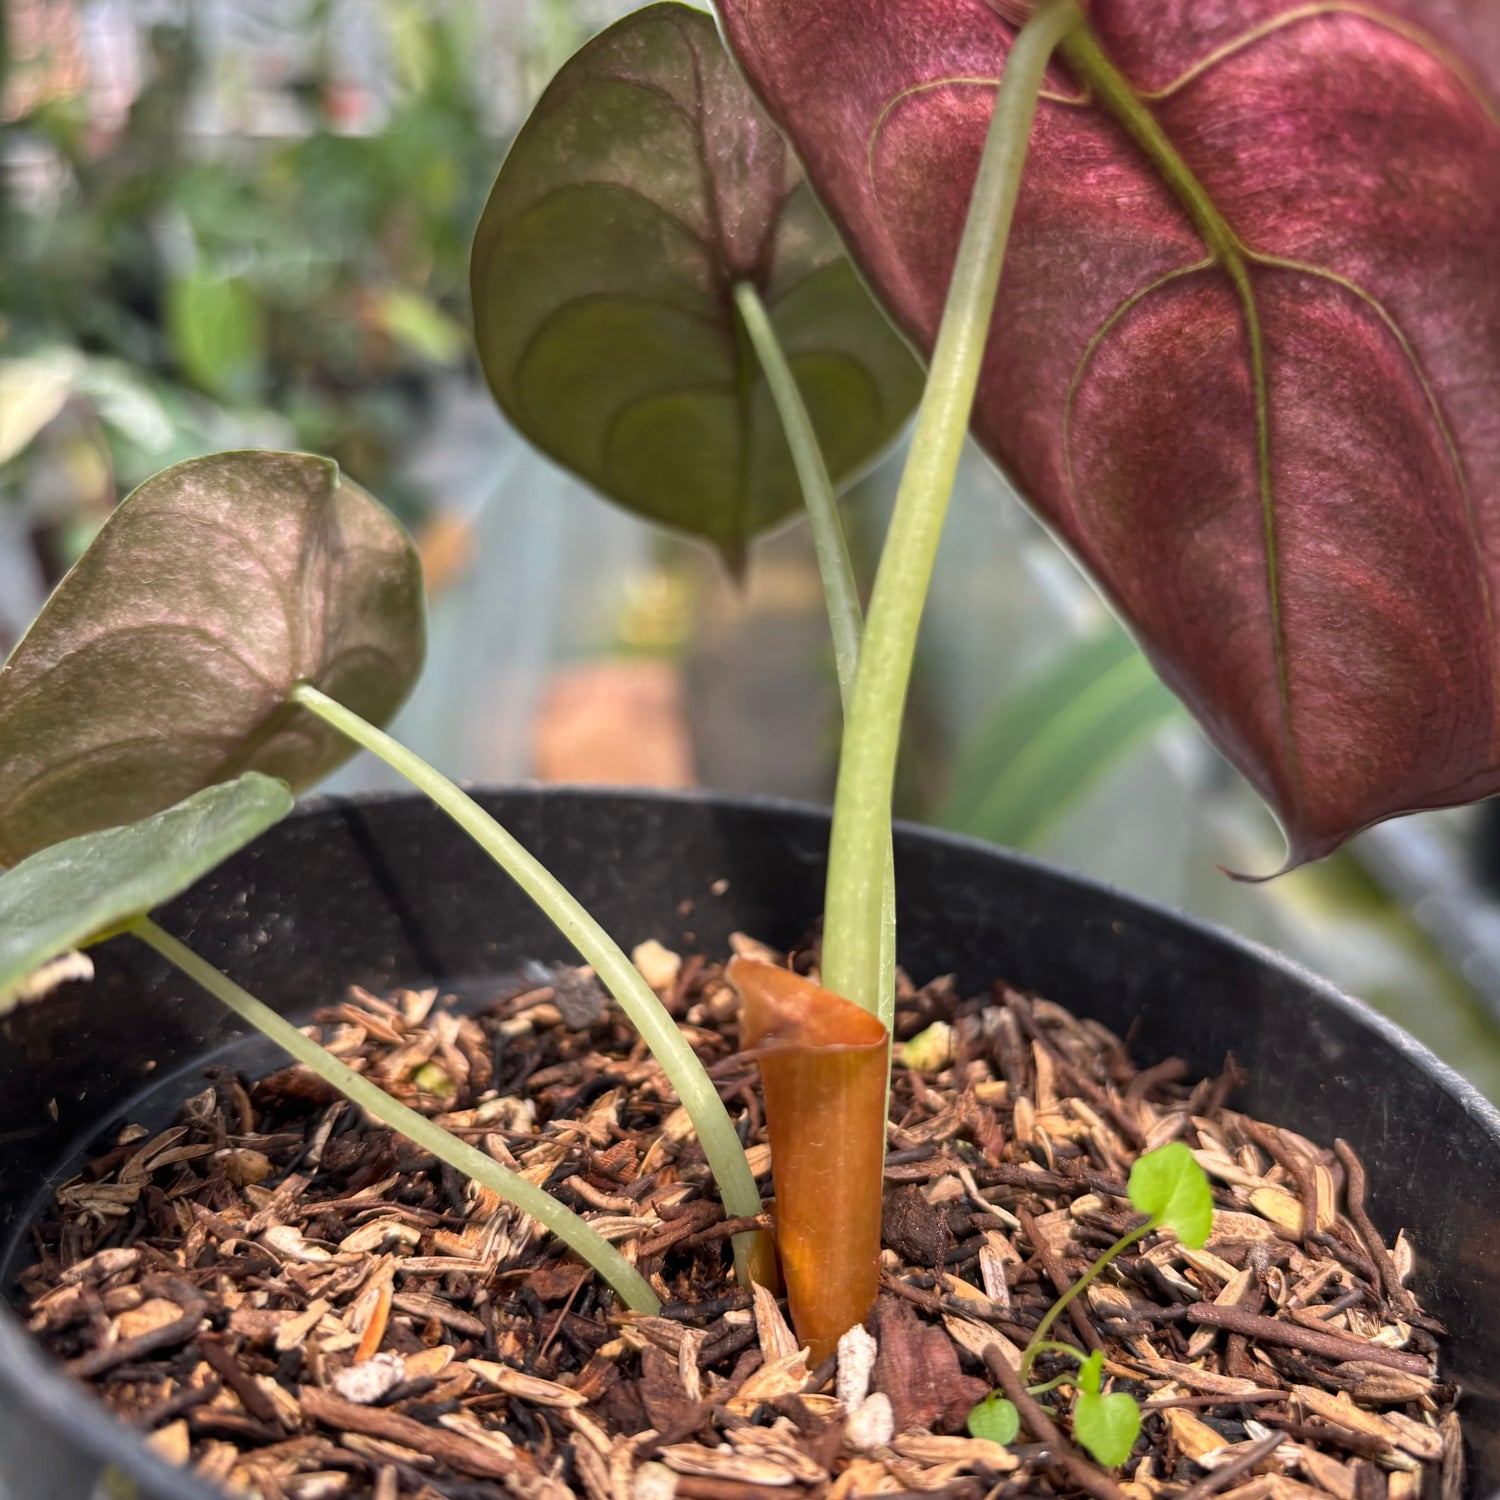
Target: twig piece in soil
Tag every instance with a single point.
(1278, 1331)
(1354, 1191)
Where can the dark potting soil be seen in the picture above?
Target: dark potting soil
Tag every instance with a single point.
(303, 1306)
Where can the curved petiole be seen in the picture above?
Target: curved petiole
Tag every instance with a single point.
(716, 1133)
(573, 1231)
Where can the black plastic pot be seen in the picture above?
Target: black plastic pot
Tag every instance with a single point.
(385, 891)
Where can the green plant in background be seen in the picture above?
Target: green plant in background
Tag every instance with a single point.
(306, 290)
(1042, 747)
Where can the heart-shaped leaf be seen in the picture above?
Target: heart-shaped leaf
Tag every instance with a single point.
(995, 1419)
(75, 891)
(646, 183)
(1106, 1425)
(1246, 353)
(1169, 1185)
(162, 662)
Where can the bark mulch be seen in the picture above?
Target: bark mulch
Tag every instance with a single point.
(302, 1306)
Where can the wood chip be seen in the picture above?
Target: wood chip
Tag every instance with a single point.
(776, 1378)
(529, 1388)
(777, 1341)
(463, 1453)
(967, 1452)
(1280, 1208)
(726, 1463)
(1192, 1435)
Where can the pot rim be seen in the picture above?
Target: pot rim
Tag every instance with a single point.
(42, 1386)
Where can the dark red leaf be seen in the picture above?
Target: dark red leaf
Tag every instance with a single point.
(1308, 557)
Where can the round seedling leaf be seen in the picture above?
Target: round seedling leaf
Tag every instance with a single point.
(1106, 1425)
(86, 887)
(162, 662)
(1170, 1186)
(995, 1419)
(647, 183)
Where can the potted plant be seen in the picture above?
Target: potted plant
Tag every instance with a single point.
(308, 621)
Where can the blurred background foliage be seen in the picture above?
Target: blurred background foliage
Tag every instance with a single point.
(247, 222)
(219, 231)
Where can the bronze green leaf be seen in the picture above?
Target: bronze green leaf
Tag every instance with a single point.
(645, 185)
(162, 662)
(86, 887)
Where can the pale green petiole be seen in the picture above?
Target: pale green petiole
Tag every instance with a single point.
(1051, 1346)
(1053, 1384)
(716, 1133)
(845, 616)
(379, 1105)
(867, 764)
(1039, 1340)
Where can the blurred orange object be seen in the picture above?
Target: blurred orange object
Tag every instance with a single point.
(616, 723)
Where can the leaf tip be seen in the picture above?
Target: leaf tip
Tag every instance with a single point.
(736, 558)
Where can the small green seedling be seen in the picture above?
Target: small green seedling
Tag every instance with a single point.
(1170, 1188)
(1105, 1425)
(995, 1419)
(1169, 1185)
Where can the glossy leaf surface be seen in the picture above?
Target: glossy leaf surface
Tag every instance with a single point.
(72, 892)
(1169, 1185)
(824, 1062)
(1106, 1425)
(1259, 397)
(162, 662)
(645, 184)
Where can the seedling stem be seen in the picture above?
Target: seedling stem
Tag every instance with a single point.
(1039, 1341)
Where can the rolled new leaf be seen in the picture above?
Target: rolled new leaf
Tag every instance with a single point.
(824, 1063)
